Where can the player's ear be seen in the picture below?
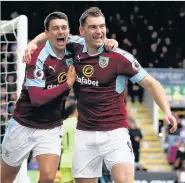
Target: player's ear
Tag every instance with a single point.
(81, 31)
(46, 33)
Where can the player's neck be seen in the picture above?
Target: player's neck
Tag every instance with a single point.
(92, 51)
(59, 53)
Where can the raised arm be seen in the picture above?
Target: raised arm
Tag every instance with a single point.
(42, 38)
(159, 96)
(33, 45)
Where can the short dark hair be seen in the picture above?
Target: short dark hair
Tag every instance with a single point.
(93, 11)
(52, 16)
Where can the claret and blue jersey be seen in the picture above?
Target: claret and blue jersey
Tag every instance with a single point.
(101, 84)
(45, 71)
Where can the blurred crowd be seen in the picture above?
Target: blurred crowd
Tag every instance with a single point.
(175, 146)
(154, 35)
(152, 31)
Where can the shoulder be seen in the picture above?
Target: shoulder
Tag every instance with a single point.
(123, 54)
(76, 39)
(39, 53)
(75, 44)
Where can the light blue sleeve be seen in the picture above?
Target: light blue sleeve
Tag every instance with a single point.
(35, 77)
(139, 76)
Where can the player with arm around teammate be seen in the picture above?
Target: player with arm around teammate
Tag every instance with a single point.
(36, 121)
(39, 110)
(102, 128)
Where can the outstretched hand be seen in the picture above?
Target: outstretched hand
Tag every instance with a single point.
(170, 120)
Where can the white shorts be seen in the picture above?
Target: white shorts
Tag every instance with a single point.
(91, 148)
(19, 141)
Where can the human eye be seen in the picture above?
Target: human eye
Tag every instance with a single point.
(64, 27)
(102, 26)
(92, 27)
(55, 28)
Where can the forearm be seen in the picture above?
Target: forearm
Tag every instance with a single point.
(38, 96)
(40, 39)
(159, 96)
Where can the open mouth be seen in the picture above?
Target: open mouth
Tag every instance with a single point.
(98, 38)
(61, 40)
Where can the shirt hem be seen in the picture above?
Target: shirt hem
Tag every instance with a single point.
(45, 125)
(101, 128)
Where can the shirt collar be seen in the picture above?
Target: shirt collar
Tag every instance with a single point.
(100, 49)
(51, 52)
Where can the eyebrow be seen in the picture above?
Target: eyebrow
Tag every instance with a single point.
(59, 26)
(96, 25)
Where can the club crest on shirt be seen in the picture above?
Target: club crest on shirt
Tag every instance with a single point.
(69, 62)
(103, 61)
(38, 73)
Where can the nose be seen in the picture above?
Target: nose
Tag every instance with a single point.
(98, 30)
(60, 30)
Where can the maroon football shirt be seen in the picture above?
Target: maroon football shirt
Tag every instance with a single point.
(101, 84)
(47, 72)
